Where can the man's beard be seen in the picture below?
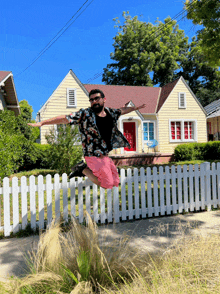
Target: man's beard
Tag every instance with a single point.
(97, 109)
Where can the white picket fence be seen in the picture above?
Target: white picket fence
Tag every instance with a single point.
(144, 193)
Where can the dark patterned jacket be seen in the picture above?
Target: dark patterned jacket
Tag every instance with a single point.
(92, 143)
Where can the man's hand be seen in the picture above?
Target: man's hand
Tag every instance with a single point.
(39, 124)
(142, 106)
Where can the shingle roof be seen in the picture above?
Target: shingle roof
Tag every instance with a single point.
(212, 108)
(118, 96)
(4, 74)
(165, 92)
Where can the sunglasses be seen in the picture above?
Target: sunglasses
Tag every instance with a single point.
(94, 99)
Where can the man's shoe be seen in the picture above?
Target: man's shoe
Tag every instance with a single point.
(77, 170)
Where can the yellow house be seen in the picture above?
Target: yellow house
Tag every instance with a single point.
(172, 115)
(8, 95)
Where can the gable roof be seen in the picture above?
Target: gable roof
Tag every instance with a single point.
(118, 96)
(8, 88)
(76, 79)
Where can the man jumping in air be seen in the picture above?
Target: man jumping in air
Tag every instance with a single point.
(99, 134)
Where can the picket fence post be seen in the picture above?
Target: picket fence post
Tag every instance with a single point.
(207, 189)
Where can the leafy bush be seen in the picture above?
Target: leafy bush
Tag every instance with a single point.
(17, 149)
(63, 153)
(10, 153)
(184, 152)
(42, 152)
(198, 151)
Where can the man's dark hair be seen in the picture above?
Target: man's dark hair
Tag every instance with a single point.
(94, 91)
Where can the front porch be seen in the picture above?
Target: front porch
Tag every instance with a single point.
(141, 158)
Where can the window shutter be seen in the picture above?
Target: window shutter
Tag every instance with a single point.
(182, 100)
(71, 97)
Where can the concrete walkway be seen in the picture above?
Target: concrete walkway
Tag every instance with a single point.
(150, 235)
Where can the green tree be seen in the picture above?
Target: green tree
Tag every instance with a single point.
(142, 48)
(207, 14)
(11, 143)
(203, 79)
(63, 153)
(24, 118)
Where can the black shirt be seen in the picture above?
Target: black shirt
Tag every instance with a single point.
(105, 125)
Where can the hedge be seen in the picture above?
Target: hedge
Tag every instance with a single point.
(198, 151)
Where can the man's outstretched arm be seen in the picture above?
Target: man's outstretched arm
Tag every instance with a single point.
(51, 121)
(125, 110)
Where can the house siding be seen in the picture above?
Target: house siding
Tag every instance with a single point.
(170, 110)
(57, 103)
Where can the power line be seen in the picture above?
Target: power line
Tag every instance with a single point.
(97, 75)
(50, 44)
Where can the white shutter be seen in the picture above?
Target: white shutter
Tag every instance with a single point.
(71, 97)
(182, 100)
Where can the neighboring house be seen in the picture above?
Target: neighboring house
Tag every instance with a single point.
(172, 115)
(213, 120)
(8, 96)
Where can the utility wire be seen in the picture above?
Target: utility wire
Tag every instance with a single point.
(55, 39)
(97, 75)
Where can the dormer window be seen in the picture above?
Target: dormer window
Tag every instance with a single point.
(71, 97)
(182, 100)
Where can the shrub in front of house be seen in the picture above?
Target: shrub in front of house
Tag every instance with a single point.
(198, 151)
(183, 152)
(64, 152)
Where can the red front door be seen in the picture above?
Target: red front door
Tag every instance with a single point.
(130, 135)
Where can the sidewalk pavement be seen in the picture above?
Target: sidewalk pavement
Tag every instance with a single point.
(152, 235)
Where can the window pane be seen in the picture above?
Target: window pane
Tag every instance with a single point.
(146, 136)
(178, 130)
(145, 127)
(151, 131)
(173, 130)
(186, 131)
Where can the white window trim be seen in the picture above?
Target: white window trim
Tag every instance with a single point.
(183, 107)
(149, 121)
(67, 95)
(182, 130)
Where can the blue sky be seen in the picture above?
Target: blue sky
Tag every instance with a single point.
(85, 47)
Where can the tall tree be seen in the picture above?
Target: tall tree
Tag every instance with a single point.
(25, 117)
(207, 14)
(142, 49)
(203, 79)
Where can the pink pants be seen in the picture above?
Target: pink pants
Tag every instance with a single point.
(104, 169)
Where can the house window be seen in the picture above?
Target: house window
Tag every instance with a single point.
(71, 97)
(188, 130)
(182, 100)
(148, 131)
(182, 131)
(176, 130)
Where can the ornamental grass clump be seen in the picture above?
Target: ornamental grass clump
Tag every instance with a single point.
(67, 261)
(77, 262)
